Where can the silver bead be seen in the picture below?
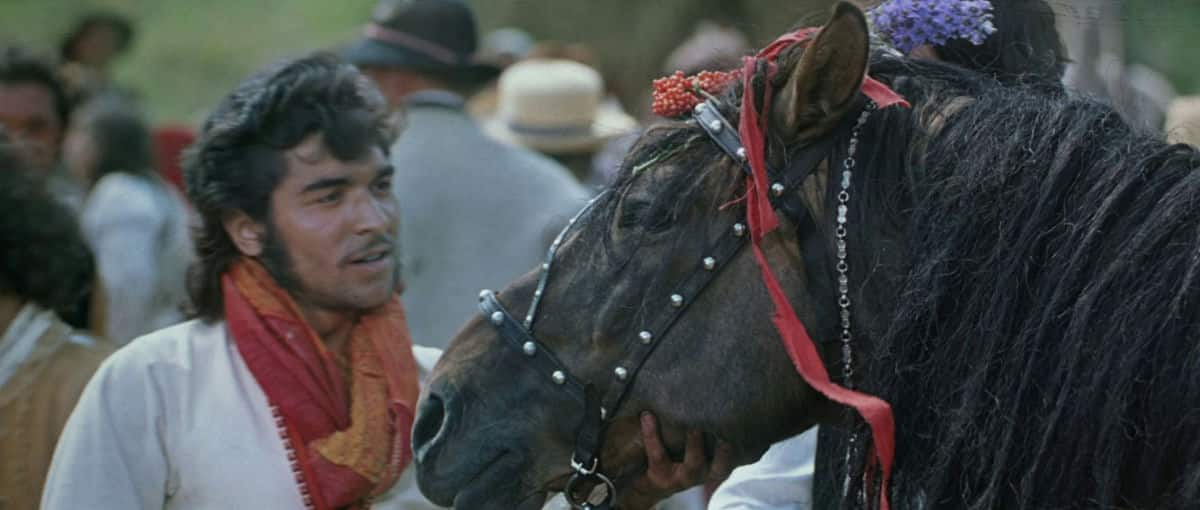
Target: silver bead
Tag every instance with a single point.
(777, 189)
(716, 126)
(676, 300)
(559, 377)
(739, 229)
(483, 294)
(646, 337)
(621, 373)
(497, 318)
(545, 266)
(603, 413)
(741, 153)
(700, 107)
(710, 263)
(530, 348)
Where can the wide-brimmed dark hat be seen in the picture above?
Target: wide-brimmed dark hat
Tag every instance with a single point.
(434, 36)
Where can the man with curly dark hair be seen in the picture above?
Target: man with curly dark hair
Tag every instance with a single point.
(34, 108)
(295, 386)
(45, 271)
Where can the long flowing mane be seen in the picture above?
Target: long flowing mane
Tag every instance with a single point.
(1028, 280)
(1042, 346)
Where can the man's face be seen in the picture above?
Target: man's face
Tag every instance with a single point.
(336, 224)
(28, 112)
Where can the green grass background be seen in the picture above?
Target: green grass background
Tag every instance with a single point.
(190, 52)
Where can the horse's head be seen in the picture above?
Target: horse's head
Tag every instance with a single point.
(652, 292)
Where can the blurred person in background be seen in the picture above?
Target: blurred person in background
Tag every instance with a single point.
(88, 51)
(476, 213)
(712, 46)
(34, 108)
(502, 47)
(45, 268)
(136, 223)
(559, 108)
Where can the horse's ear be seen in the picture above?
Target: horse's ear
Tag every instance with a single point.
(824, 84)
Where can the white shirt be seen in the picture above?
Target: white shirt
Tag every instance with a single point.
(138, 229)
(175, 420)
(780, 480)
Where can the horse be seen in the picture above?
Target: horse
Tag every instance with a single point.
(1024, 268)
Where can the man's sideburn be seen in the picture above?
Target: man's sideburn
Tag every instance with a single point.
(277, 260)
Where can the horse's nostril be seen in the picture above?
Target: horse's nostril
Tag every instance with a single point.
(431, 418)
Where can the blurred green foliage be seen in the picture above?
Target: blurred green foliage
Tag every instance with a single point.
(190, 52)
(1165, 35)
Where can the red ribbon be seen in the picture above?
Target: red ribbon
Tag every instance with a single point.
(762, 220)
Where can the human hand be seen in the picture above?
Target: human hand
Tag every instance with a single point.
(664, 477)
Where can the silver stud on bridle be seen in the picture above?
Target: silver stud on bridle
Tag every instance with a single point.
(646, 337)
(710, 263)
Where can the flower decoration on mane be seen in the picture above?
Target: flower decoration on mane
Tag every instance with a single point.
(907, 24)
(678, 94)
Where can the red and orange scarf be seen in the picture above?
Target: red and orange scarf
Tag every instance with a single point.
(345, 446)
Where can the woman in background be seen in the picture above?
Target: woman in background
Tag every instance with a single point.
(136, 224)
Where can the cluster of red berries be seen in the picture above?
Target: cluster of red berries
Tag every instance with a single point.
(677, 94)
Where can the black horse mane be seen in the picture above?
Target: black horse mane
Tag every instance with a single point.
(1028, 295)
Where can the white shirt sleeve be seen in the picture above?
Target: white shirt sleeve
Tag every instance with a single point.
(112, 454)
(780, 480)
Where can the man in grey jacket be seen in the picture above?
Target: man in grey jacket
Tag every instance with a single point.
(475, 213)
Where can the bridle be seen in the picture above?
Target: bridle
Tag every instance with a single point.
(597, 408)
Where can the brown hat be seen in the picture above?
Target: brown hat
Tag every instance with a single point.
(434, 36)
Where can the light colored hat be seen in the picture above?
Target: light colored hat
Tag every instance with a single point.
(555, 107)
(1183, 120)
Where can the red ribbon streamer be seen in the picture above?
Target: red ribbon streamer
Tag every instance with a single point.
(762, 220)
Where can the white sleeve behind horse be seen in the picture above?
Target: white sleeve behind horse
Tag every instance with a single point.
(780, 480)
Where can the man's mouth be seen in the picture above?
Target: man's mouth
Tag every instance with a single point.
(373, 255)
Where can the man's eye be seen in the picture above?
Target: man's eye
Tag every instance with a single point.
(330, 198)
(383, 185)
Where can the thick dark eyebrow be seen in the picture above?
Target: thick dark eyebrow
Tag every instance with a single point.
(330, 182)
(383, 172)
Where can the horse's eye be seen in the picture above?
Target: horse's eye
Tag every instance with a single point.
(632, 213)
(654, 218)
(659, 219)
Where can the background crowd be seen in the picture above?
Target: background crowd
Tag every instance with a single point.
(98, 101)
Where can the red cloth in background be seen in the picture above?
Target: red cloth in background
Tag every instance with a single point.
(169, 142)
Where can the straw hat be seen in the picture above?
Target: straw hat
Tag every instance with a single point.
(555, 107)
(1183, 120)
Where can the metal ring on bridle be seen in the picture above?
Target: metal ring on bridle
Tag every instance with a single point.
(610, 495)
(578, 466)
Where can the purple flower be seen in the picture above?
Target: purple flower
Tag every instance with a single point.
(907, 24)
